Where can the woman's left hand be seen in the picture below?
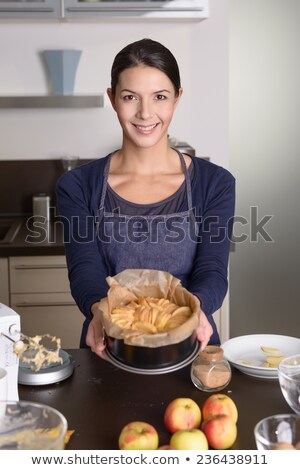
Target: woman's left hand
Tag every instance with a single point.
(204, 331)
(94, 338)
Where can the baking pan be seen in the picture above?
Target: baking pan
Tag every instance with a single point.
(150, 358)
(157, 371)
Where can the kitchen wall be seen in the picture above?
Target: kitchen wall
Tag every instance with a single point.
(201, 49)
(264, 156)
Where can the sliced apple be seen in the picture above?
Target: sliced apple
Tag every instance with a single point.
(268, 350)
(274, 360)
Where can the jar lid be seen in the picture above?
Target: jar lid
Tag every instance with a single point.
(212, 353)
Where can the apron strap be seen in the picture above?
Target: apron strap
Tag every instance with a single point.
(104, 187)
(188, 182)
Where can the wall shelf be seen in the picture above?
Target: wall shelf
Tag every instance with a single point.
(49, 101)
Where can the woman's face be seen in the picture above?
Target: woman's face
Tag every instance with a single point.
(144, 102)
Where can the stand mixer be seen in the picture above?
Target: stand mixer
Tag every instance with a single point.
(10, 326)
(55, 364)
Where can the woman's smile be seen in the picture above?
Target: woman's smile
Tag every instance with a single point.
(145, 129)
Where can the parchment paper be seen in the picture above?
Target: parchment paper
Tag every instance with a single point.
(132, 283)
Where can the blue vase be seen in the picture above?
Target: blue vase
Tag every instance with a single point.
(62, 65)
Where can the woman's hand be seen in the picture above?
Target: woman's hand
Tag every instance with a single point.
(204, 331)
(95, 337)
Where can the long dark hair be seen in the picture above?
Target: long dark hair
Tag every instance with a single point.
(146, 52)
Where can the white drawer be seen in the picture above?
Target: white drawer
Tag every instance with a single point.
(30, 274)
(56, 314)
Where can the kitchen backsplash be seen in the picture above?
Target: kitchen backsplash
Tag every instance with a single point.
(19, 180)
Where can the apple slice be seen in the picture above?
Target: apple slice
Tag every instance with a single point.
(268, 350)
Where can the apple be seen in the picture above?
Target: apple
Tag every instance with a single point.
(138, 436)
(220, 431)
(189, 439)
(219, 404)
(181, 414)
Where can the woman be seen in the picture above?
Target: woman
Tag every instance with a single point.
(146, 205)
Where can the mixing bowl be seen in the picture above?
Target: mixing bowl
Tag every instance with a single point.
(28, 425)
(278, 432)
(289, 379)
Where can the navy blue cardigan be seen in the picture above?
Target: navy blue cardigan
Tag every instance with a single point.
(213, 197)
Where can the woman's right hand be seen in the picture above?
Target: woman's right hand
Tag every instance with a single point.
(95, 336)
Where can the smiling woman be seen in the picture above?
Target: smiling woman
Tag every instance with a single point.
(144, 101)
(146, 205)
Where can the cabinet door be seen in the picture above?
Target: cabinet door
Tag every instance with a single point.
(221, 318)
(55, 314)
(38, 274)
(30, 9)
(4, 285)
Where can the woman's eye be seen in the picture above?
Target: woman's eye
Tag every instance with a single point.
(161, 97)
(128, 97)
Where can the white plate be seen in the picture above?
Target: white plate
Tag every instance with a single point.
(248, 348)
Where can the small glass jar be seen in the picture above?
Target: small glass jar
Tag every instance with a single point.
(210, 372)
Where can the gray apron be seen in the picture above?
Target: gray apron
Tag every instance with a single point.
(162, 242)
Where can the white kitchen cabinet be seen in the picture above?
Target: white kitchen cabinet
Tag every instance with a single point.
(192, 10)
(30, 9)
(40, 294)
(4, 285)
(139, 9)
(221, 318)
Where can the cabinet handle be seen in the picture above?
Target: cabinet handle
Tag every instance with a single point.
(40, 266)
(117, 9)
(45, 304)
(26, 10)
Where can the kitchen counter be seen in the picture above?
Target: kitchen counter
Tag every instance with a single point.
(39, 240)
(19, 181)
(99, 399)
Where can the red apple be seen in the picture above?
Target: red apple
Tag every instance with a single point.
(181, 414)
(138, 436)
(220, 431)
(219, 404)
(189, 439)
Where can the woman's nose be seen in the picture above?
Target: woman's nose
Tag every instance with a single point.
(144, 110)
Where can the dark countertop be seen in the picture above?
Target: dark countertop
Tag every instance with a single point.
(19, 181)
(99, 399)
(39, 240)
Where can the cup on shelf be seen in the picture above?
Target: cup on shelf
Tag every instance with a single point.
(69, 162)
